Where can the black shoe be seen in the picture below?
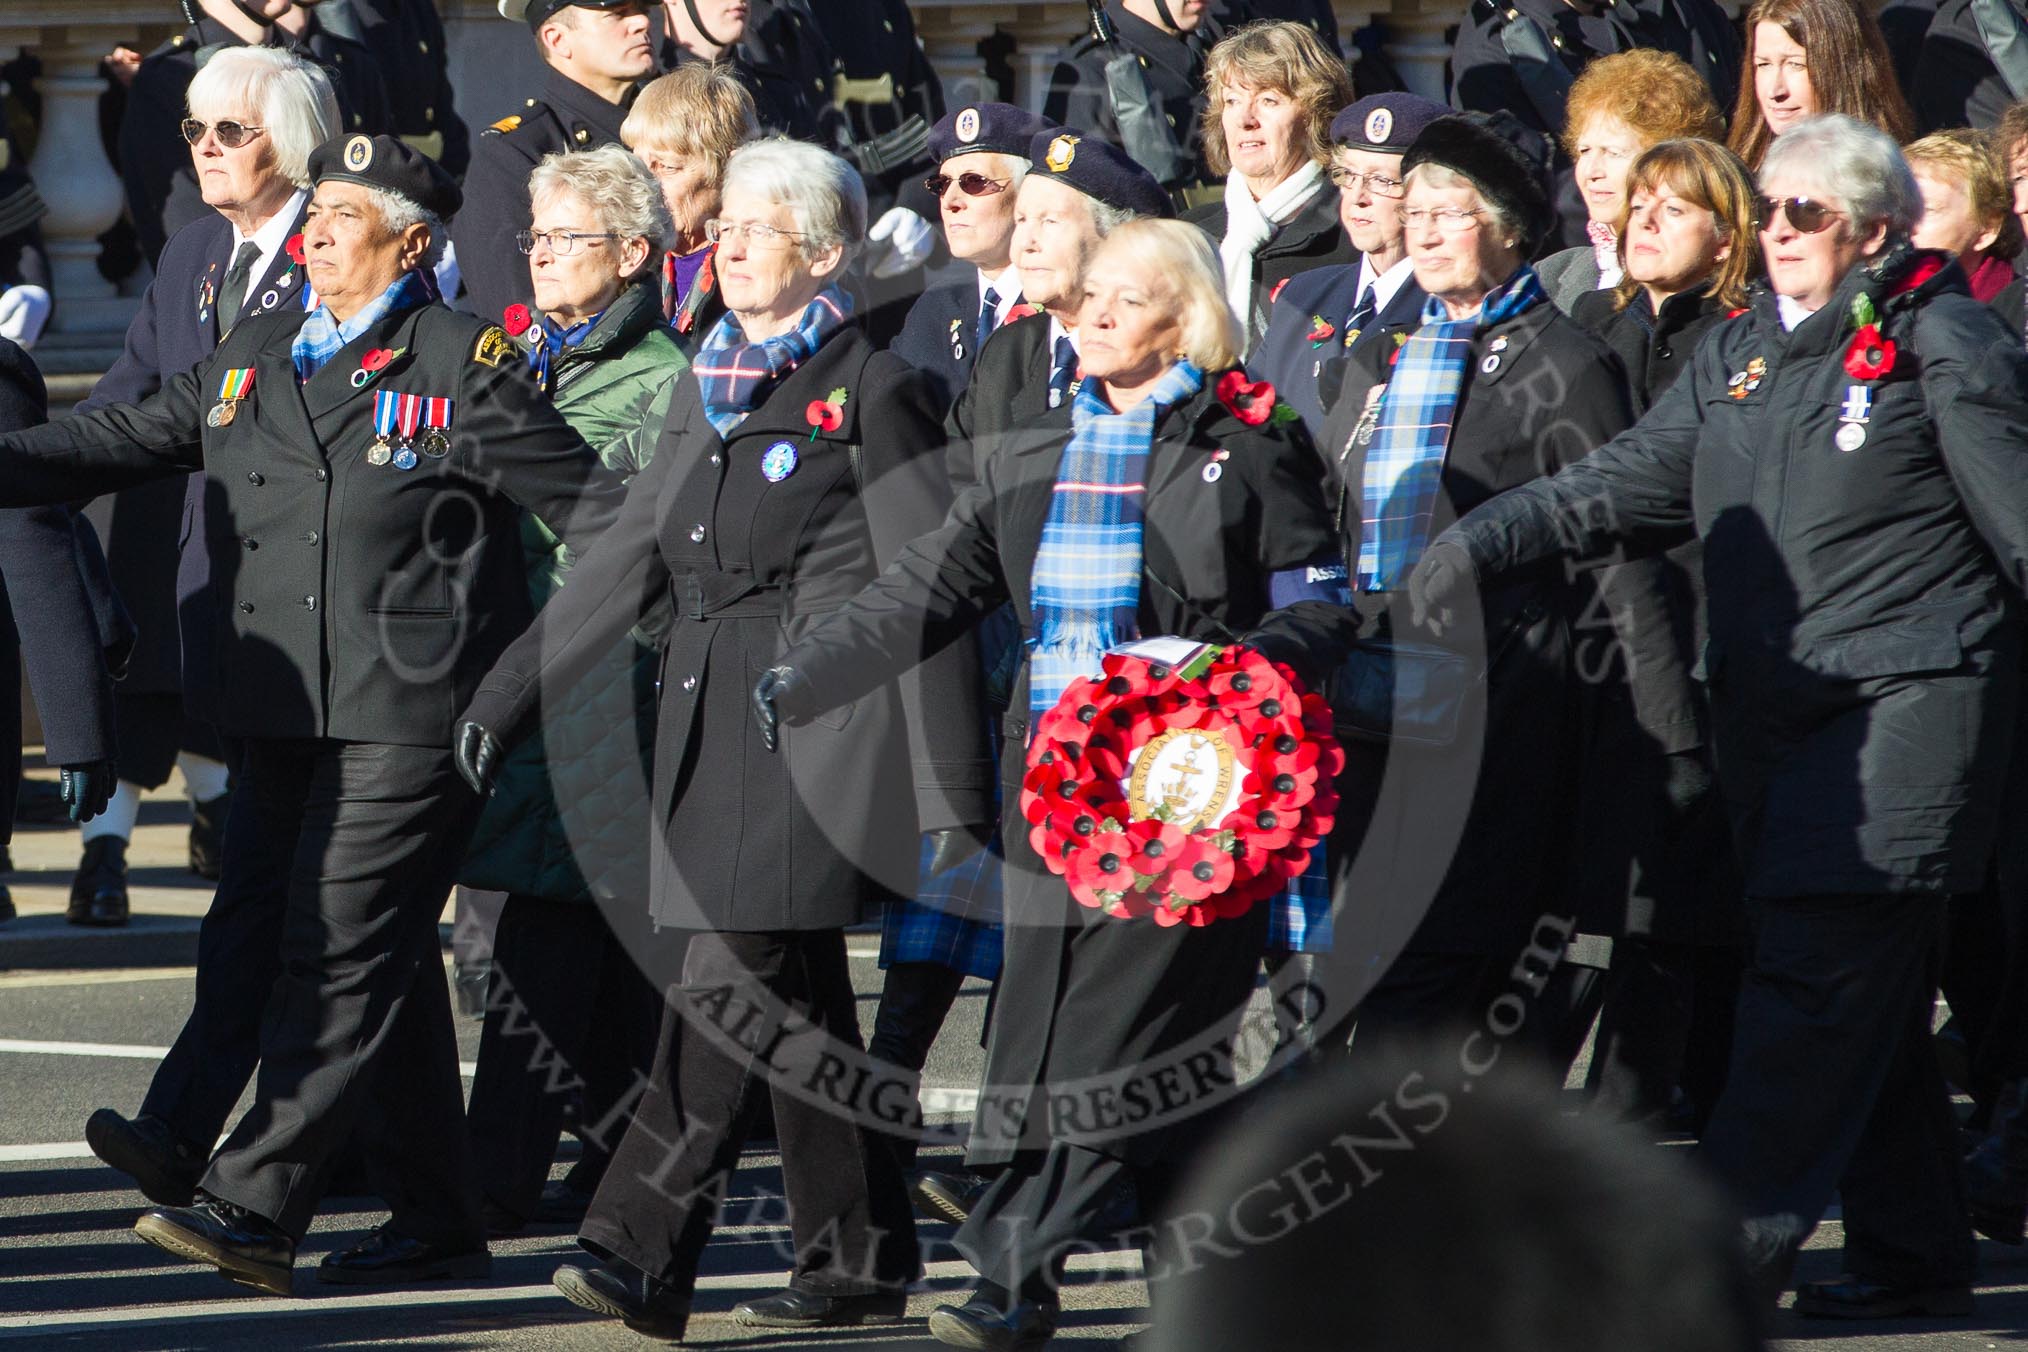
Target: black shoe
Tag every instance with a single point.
(500, 1220)
(1848, 1297)
(389, 1258)
(1996, 1170)
(7, 911)
(207, 836)
(982, 1324)
(635, 1299)
(793, 1309)
(98, 894)
(147, 1150)
(946, 1197)
(562, 1204)
(247, 1248)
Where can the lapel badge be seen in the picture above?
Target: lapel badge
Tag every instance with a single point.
(779, 461)
(957, 339)
(1215, 470)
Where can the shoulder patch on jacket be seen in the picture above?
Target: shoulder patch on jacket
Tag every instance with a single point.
(507, 123)
(493, 346)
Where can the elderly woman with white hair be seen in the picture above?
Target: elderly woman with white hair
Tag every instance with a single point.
(1175, 498)
(596, 344)
(1849, 452)
(797, 464)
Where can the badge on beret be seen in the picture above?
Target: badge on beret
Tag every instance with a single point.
(778, 462)
(1379, 122)
(493, 346)
(358, 153)
(968, 125)
(1061, 152)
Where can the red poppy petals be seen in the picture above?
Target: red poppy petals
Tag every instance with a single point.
(377, 359)
(516, 319)
(824, 415)
(1250, 401)
(1870, 356)
(295, 247)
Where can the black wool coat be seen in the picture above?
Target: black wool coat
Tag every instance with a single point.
(1297, 368)
(1007, 399)
(806, 838)
(1312, 238)
(1082, 994)
(352, 601)
(1863, 657)
(1458, 849)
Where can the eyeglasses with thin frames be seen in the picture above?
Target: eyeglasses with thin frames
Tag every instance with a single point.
(1449, 220)
(758, 234)
(1349, 180)
(971, 185)
(232, 135)
(562, 243)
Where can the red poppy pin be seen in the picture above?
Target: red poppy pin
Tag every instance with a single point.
(376, 359)
(1321, 331)
(295, 247)
(516, 319)
(1870, 356)
(826, 415)
(1021, 311)
(1251, 401)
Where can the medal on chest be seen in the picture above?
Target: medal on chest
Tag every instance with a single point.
(236, 385)
(408, 426)
(1743, 383)
(957, 340)
(1853, 415)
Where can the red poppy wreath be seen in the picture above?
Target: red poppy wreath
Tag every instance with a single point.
(1183, 793)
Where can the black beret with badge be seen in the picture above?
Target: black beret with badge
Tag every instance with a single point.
(536, 12)
(1386, 124)
(1098, 169)
(998, 127)
(1504, 172)
(391, 164)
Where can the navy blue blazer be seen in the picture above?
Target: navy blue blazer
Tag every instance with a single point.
(58, 604)
(1292, 364)
(940, 337)
(154, 534)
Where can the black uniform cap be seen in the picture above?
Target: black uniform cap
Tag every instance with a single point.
(999, 127)
(1098, 169)
(1501, 170)
(1385, 123)
(390, 163)
(536, 11)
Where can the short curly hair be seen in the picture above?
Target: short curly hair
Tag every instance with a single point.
(2010, 136)
(1656, 94)
(1276, 55)
(1966, 157)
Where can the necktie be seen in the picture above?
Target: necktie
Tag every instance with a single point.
(989, 312)
(1062, 370)
(236, 278)
(1362, 314)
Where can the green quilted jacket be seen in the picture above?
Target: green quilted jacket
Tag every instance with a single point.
(569, 821)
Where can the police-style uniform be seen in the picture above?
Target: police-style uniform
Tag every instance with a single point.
(948, 323)
(565, 117)
(1315, 15)
(786, 63)
(363, 534)
(881, 78)
(1174, 63)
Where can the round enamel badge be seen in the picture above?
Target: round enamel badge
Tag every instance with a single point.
(968, 125)
(358, 153)
(1379, 122)
(778, 462)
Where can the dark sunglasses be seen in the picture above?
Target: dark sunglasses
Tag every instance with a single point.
(231, 135)
(972, 185)
(1804, 213)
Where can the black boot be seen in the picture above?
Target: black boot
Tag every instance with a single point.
(207, 836)
(1996, 1172)
(98, 894)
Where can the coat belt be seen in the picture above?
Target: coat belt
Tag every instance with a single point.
(735, 596)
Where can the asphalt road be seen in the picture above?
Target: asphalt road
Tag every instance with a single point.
(72, 1275)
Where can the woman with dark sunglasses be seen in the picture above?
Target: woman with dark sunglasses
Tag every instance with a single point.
(1849, 451)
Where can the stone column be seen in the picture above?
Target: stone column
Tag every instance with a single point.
(1040, 34)
(77, 182)
(1419, 50)
(951, 39)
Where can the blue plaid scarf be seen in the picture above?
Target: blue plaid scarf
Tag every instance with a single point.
(1086, 589)
(322, 337)
(550, 337)
(734, 373)
(1405, 464)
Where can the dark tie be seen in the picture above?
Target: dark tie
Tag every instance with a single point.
(236, 278)
(1362, 314)
(1062, 370)
(989, 311)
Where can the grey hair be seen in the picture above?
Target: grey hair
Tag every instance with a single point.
(1443, 176)
(824, 193)
(287, 96)
(1106, 218)
(613, 182)
(398, 213)
(1858, 166)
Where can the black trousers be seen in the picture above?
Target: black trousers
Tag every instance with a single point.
(1667, 1021)
(1834, 1087)
(568, 1014)
(915, 999)
(784, 1000)
(356, 1026)
(1036, 1212)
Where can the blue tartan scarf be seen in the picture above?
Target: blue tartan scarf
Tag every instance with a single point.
(1405, 464)
(549, 337)
(322, 337)
(734, 373)
(1085, 592)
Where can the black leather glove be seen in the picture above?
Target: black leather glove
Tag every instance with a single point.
(953, 845)
(773, 694)
(478, 757)
(86, 788)
(1443, 575)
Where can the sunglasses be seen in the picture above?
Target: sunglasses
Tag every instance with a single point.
(972, 185)
(231, 135)
(1804, 213)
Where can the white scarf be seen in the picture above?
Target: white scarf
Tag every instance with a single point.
(1250, 224)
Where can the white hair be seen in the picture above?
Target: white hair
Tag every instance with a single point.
(618, 188)
(824, 193)
(398, 213)
(290, 98)
(1856, 165)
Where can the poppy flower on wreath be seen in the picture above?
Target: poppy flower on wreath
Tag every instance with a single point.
(1250, 401)
(1202, 874)
(1870, 356)
(828, 414)
(294, 248)
(1157, 847)
(516, 319)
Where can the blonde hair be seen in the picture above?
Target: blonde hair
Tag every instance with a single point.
(1182, 255)
(1967, 157)
(699, 111)
(1282, 56)
(617, 187)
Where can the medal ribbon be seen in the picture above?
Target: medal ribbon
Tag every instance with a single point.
(237, 384)
(409, 411)
(383, 413)
(436, 413)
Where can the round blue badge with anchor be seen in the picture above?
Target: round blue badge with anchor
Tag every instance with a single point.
(779, 462)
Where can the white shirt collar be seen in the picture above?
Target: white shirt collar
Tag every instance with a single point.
(1005, 285)
(1386, 285)
(269, 239)
(1791, 311)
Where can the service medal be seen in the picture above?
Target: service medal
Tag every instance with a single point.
(379, 453)
(436, 420)
(405, 459)
(234, 386)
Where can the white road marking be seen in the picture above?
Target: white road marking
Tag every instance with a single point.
(60, 1150)
(108, 978)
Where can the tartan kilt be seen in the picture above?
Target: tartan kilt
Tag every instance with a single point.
(954, 920)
